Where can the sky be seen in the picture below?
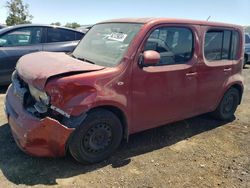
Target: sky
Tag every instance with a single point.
(93, 11)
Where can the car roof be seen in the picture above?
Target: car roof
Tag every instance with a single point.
(170, 20)
(6, 29)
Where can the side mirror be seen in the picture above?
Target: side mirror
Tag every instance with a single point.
(151, 57)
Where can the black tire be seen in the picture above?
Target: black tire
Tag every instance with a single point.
(245, 61)
(97, 137)
(228, 105)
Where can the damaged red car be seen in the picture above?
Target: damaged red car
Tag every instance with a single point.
(125, 76)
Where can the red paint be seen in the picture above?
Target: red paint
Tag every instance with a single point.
(148, 97)
(52, 64)
(37, 137)
(151, 57)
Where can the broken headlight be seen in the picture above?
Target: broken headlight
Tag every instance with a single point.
(39, 96)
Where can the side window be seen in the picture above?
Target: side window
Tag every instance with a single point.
(79, 36)
(213, 45)
(59, 35)
(22, 37)
(235, 45)
(226, 45)
(174, 44)
(221, 44)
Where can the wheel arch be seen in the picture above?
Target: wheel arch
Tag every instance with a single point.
(239, 88)
(119, 113)
(235, 85)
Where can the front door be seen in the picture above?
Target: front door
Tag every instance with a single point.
(167, 91)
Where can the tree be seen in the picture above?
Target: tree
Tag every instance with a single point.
(56, 23)
(72, 25)
(18, 12)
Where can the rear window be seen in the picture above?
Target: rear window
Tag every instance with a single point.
(221, 45)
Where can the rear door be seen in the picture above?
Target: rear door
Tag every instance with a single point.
(216, 65)
(15, 44)
(60, 40)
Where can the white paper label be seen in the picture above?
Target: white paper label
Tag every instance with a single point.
(117, 36)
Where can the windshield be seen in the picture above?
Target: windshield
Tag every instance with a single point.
(105, 44)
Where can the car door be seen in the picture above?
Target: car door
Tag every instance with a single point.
(60, 40)
(166, 92)
(216, 66)
(15, 44)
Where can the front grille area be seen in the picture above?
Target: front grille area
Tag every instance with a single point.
(20, 87)
(21, 90)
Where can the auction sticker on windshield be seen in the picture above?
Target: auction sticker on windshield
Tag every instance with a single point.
(117, 36)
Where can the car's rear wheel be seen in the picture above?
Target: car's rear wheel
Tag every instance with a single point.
(97, 138)
(228, 105)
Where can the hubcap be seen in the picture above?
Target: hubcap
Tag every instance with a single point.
(98, 138)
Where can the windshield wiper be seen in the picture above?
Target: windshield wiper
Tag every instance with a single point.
(81, 59)
(71, 55)
(89, 61)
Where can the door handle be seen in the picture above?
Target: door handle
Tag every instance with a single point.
(227, 69)
(191, 74)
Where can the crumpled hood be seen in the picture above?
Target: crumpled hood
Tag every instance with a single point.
(36, 68)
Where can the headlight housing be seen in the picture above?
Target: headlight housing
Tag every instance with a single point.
(39, 96)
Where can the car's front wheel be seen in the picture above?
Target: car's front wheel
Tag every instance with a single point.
(97, 138)
(228, 105)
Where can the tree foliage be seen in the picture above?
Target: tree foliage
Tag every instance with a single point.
(18, 12)
(72, 25)
(56, 23)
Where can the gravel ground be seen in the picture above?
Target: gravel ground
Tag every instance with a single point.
(197, 152)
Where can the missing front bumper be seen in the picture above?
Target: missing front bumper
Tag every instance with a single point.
(38, 137)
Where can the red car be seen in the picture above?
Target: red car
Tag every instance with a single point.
(125, 76)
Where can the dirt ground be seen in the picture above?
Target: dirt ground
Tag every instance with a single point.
(198, 152)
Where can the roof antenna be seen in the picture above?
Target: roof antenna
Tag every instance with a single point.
(208, 18)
